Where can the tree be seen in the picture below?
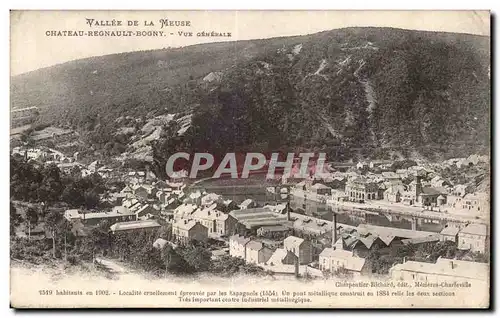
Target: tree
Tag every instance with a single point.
(31, 219)
(199, 258)
(15, 219)
(174, 262)
(52, 221)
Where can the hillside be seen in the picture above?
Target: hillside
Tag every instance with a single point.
(364, 92)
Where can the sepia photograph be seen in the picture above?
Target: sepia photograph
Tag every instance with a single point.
(250, 159)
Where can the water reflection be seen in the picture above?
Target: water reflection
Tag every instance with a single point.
(318, 209)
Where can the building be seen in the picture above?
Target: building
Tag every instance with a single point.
(185, 230)
(252, 219)
(128, 191)
(134, 226)
(312, 226)
(476, 202)
(425, 196)
(473, 237)
(237, 246)
(360, 189)
(247, 204)
(257, 253)
(118, 214)
(444, 270)
(184, 211)
(146, 211)
(321, 189)
(449, 233)
(394, 192)
(217, 222)
(141, 192)
(300, 248)
(273, 230)
(331, 259)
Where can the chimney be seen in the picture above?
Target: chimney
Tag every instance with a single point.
(296, 265)
(452, 264)
(288, 210)
(334, 229)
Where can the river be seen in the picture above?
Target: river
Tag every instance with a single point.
(254, 188)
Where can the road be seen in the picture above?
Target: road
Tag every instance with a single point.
(112, 266)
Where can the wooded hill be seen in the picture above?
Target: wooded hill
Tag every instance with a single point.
(365, 92)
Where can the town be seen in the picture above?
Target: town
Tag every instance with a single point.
(272, 238)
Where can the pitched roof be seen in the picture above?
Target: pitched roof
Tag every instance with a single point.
(132, 225)
(448, 267)
(320, 186)
(255, 245)
(353, 263)
(185, 224)
(475, 229)
(431, 191)
(293, 241)
(241, 240)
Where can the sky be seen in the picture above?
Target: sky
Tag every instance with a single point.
(31, 48)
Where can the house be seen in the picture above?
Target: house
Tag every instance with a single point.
(217, 222)
(459, 190)
(132, 204)
(134, 226)
(237, 246)
(162, 196)
(300, 247)
(146, 210)
(161, 243)
(185, 230)
(140, 192)
(331, 259)
(178, 177)
(248, 204)
(426, 196)
(257, 253)
(473, 237)
(184, 211)
(128, 191)
(225, 224)
(362, 165)
(338, 196)
(476, 202)
(449, 233)
(394, 192)
(360, 189)
(209, 199)
(118, 214)
(321, 189)
(444, 270)
(72, 214)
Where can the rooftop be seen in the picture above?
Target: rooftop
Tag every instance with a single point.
(352, 263)
(475, 229)
(448, 267)
(239, 239)
(450, 230)
(255, 245)
(293, 241)
(133, 225)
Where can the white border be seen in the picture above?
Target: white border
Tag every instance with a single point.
(198, 4)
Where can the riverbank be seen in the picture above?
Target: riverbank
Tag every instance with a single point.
(400, 209)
